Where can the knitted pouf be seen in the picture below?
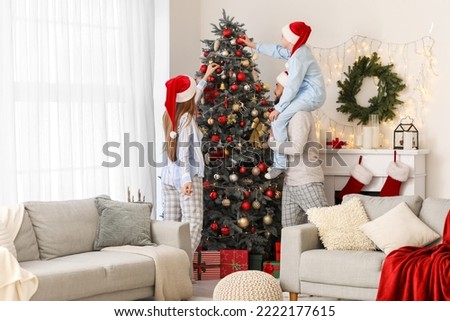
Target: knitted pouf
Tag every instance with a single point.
(249, 285)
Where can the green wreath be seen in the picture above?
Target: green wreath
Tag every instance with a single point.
(383, 104)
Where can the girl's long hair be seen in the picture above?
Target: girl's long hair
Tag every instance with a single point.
(170, 144)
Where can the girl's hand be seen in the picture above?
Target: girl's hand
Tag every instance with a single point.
(211, 67)
(187, 189)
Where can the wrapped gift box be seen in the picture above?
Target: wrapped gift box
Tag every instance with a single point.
(232, 261)
(206, 265)
(272, 267)
(278, 251)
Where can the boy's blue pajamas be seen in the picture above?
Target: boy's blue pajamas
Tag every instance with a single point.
(304, 90)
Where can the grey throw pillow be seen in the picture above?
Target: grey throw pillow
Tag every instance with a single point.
(122, 223)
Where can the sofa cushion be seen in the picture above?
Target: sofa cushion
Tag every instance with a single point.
(63, 227)
(122, 223)
(338, 226)
(6, 241)
(349, 268)
(398, 227)
(25, 241)
(92, 273)
(433, 213)
(376, 206)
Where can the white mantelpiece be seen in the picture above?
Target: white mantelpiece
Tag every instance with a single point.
(337, 164)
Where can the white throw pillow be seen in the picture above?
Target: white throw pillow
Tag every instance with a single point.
(338, 226)
(6, 241)
(399, 227)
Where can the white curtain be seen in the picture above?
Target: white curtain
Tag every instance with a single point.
(76, 105)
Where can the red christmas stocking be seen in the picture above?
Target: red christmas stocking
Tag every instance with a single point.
(360, 176)
(398, 173)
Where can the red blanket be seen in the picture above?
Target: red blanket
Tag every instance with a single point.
(417, 274)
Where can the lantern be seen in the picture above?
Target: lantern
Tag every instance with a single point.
(406, 135)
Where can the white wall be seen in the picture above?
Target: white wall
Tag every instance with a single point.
(334, 22)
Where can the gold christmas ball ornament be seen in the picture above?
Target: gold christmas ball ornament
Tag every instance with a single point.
(216, 45)
(267, 234)
(255, 56)
(236, 107)
(256, 204)
(243, 222)
(254, 112)
(226, 202)
(266, 114)
(210, 121)
(267, 219)
(245, 63)
(225, 53)
(266, 86)
(256, 171)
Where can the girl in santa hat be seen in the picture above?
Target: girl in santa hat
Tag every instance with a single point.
(182, 176)
(304, 89)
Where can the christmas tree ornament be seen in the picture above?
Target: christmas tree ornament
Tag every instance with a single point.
(234, 87)
(223, 76)
(256, 204)
(240, 40)
(398, 173)
(242, 170)
(238, 53)
(360, 176)
(267, 234)
(266, 86)
(267, 219)
(253, 229)
(255, 56)
(222, 119)
(278, 195)
(247, 193)
(246, 87)
(211, 79)
(225, 53)
(262, 167)
(226, 202)
(222, 86)
(213, 195)
(233, 178)
(254, 112)
(229, 139)
(216, 45)
(232, 42)
(215, 138)
(210, 121)
(226, 152)
(245, 63)
(225, 230)
(236, 107)
(258, 87)
(205, 54)
(231, 119)
(266, 114)
(246, 206)
(256, 171)
(203, 68)
(226, 32)
(214, 226)
(269, 193)
(240, 76)
(242, 123)
(206, 184)
(243, 222)
(264, 101)
(216, 176)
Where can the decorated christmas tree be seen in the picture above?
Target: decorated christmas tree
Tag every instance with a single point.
(242, 210)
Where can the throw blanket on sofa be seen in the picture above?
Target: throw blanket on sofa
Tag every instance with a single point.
(417, 274)
(172, 279)
(15, 282)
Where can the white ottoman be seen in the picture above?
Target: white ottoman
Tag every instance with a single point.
(249, 285)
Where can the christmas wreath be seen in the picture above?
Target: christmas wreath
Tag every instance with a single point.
(383, 104)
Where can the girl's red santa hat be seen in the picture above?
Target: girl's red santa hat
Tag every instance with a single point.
(179, 89)
(297, 33)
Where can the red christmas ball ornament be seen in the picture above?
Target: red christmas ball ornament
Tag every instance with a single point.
(213, 195)
(222, 119)
(206, 184)
(253, 229)
(242, 170)
(242, 123)
(225, 230)
(229, 139)
(269, 193)
(203, 68)
(246, 206)
(234, 87)
(238, 53)
(258, 87)
(241, 76)
(215, 138)
(262, 167)
(247, 193)
(240, 40)
(218, 70)
(205, 53)
(264, 101)
(211, 78)
(226, 32)
(214, 226)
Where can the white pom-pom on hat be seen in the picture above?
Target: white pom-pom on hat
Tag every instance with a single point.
(173, 134)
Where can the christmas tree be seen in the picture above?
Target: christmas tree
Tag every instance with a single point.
(242, 210)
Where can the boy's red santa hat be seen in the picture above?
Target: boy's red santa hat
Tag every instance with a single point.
(282, 78)
(179, 89)
(296, 33)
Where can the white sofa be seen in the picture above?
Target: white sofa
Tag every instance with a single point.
(308, 268)
(55, 242)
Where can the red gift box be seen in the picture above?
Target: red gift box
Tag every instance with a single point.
(273, 268)
(206, 265)
(278, 251)
(232, 261)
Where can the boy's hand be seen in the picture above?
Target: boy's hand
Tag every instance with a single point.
(273, 115)
(248, 42)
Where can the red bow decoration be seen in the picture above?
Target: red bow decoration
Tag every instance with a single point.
(337, 144)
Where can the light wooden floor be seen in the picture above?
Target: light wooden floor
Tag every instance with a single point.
(203, 291)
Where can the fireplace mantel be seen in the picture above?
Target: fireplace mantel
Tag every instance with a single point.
(337, 164)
